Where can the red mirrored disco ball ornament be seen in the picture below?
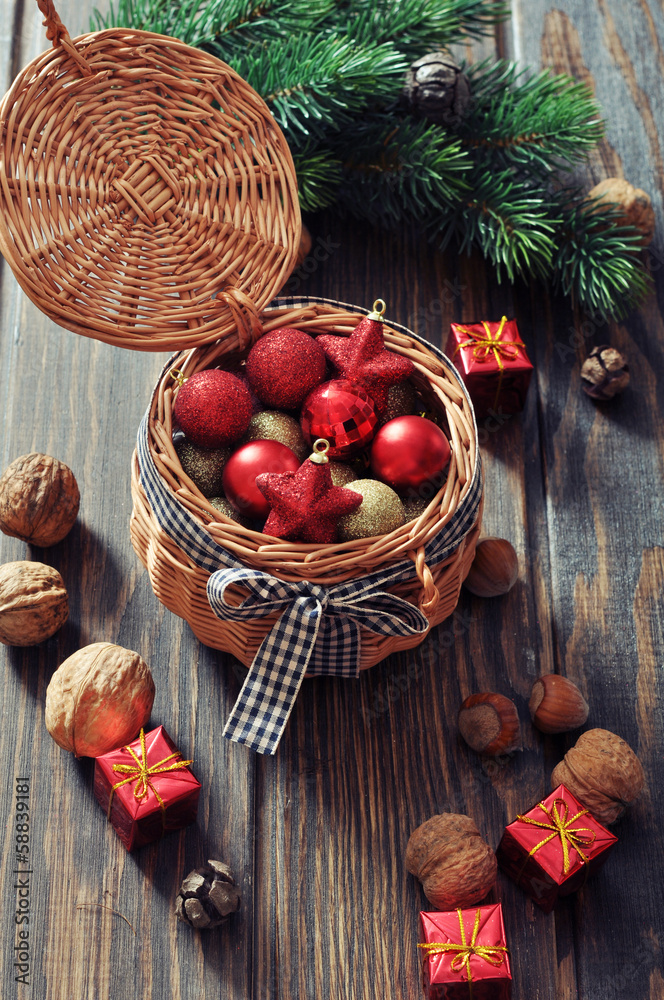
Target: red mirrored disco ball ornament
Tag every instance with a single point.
(212, 407)
(409, 452)
(341, 413)
(249, 461)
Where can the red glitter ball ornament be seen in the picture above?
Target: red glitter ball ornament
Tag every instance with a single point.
(249, 461)
(364, 360)
(213, 408)
(342, 413)
(410, 454)
(284, 366)
(306, 505)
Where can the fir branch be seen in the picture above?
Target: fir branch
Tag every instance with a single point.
(418, 26)
(333, 70)
(224, 26)
(536, 123)
(597, 261)
(398, 170)
(314, 83)
(511, 223)
(318, 178)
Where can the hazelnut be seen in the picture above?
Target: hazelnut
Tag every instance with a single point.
(556, 705)
(603, 772)
(304, 247)
(633, 204)
(455, 866)
(494, 569)
(33, 603)
(98, 699)
(489, 723)
(39, 499)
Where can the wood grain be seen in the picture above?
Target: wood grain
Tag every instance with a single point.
(316, 836)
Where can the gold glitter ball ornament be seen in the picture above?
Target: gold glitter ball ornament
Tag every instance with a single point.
(415, 506)
(272, 425)
(341, 473)
(204, 466)
(380, 512)
(225, 507)
(402, 401)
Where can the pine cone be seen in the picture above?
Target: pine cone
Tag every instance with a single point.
(604, 373)
(437, 89)
(208, 896)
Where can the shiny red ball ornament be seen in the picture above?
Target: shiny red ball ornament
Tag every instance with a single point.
(410, 454)
(284, 366)
(305, 506)
(249, 461)
(213, 408)
(342, 413)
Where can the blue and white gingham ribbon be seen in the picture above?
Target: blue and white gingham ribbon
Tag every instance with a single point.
(319, 627)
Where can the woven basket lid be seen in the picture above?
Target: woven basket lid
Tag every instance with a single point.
(147, 196)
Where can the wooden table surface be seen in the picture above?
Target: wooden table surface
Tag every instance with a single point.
(317, 834)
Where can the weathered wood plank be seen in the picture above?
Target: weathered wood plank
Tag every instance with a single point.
(102, 923)
(603, 470)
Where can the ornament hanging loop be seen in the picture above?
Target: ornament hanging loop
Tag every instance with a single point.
(178, 376)
(319, 455)
(379, 309)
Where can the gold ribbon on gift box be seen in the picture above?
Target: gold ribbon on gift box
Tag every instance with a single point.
(490, 953)
(141, 774)
(491, 344)
(561, 826)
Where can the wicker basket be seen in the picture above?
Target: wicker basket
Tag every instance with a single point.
(147, 197)
(149, 200)
(180, 584)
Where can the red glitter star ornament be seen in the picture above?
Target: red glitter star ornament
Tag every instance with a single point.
(363, 358)
(306, 505)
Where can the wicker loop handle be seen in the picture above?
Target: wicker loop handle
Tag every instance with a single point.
(430, 595)
(245, 316)
(58, 34)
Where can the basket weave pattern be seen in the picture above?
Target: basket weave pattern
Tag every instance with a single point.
(181, 585)
(147, 197)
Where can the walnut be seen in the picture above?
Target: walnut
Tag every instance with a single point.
(33, 603)
(98, 699)
(633, 204)
(39, 499)
(455, 866)
(603, 772)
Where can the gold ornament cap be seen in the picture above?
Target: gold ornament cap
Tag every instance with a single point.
(319, 455)
(378, 312)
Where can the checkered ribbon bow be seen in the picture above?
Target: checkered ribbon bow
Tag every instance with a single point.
(318, 631)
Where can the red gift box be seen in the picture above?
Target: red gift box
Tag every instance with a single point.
(554, 848)
(492, 361)
(465, 955)
(146, 788)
